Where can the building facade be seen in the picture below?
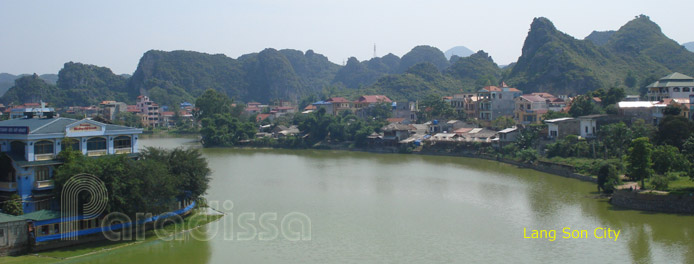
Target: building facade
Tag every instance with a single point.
(149, 111)
(494, 102)
(30, 147)
(675, 85)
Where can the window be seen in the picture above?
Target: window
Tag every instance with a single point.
(586, 129)
(43, 205)
(42, 173)
(43, 147)
(72, 143)
(56, 229)
(96, 144)
(676, 89)
(44, 230)
(685, 89)
(122, 142)
(17, 147)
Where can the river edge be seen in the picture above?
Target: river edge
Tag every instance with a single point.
(83, 250)
(645, 201)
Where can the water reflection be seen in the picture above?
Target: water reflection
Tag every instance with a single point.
(409, 208)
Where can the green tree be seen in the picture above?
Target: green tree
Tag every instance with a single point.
(210, 103)
(436, 108)
(583, 105)
(13, 206)
(674, 130)
(672, 109)
(630, 80)
(639, 160)
(667, 158)
(225, 130)
(553, 115)
(503, 122)
(615, 138)
(608, 178)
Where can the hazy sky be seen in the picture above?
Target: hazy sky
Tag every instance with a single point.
(39, 36)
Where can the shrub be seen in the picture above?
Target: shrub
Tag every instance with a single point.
(660, 182)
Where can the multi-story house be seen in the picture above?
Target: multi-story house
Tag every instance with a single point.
(29, 147)
(529, 109)
(405, 110)
(465, 103)
(149, 111)
(340, 104)
(675, 85)
(109, 109)
(494, 102)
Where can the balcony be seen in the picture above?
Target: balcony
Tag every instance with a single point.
(43, 184)
(8, 186)
(96, 153)
(123, 151)
(39, 157)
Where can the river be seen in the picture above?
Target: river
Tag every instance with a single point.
(393, 208)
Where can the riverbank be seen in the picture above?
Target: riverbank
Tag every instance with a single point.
(195, 221)
(663, 203)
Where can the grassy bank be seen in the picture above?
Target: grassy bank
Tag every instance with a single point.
(195, 220)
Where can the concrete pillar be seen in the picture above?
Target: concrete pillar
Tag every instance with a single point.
(29, 147)
(109, 145)
(57, 146)
(134, 143)
(83, 145)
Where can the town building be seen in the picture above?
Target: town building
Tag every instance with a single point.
(559, 128)
(675, 85)
(494, 102)
(339, 105)
(109, 109)
(365, 101)
(530, 108)
(405, 110)
(13, 235)
(149, 112)
(465, 103)
(29, 147)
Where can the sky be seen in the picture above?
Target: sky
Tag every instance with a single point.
(40, 36)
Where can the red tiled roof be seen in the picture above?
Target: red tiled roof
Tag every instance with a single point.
(261, 117)
(168, 113)
(252, 108)
(513, 90)
(492, 88)
(544, 95)
(395, 120)
(597, 99)
(373, 99)
(284, 108)
(310, 107)
(337, 100)
(533, 98)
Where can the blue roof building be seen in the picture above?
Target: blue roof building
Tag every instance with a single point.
(29, 147)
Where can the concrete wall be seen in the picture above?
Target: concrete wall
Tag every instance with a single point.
(653, 202)
(14, 238)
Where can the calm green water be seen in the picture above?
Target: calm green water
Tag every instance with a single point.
(374, 208)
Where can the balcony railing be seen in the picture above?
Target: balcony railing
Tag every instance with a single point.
(8, 186)
(96, 153)
(48, 156)
(123, 151)
(43, 184)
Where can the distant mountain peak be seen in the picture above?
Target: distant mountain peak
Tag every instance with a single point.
(460, 51)
(689, 46)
